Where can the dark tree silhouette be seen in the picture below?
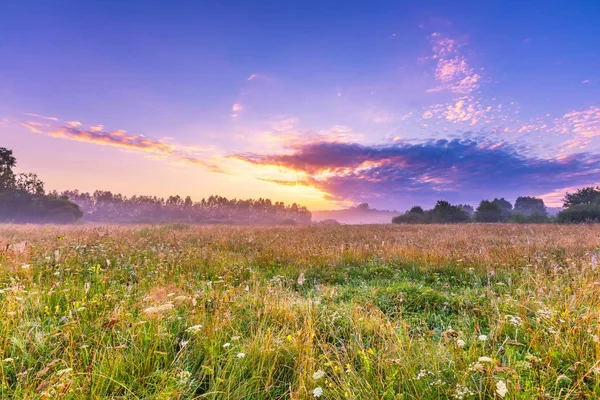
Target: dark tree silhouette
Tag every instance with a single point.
(588, 195)
(488, 211)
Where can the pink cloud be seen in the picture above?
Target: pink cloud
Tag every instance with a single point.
(119, 139)
(452, 71)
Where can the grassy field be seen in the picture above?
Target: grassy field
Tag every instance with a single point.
(357, 312)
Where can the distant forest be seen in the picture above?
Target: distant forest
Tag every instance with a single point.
(103, 206)
(582, 206)
(23, 199)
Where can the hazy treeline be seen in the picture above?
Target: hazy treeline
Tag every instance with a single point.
(23, 198)
(105, 206)
(581, 206)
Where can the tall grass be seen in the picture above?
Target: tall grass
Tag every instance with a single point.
(358, 312)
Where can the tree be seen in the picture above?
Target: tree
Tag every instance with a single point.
(505, 207)
(416, 210)
(528, 206)
(588, 195)
(30, 183)
(7, 163)
(23, 199)
(488, 211)
(363, 207)
(467, 208)
(444, 212)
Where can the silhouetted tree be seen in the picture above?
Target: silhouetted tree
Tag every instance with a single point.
(588, 195)
(488, 211)
(467, 208)
(505, 207)
(444, 212)
(528, 206)
(7, 163)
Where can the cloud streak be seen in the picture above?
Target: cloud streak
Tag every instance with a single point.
(405, 174)
(119, 139)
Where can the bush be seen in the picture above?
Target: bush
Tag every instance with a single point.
(579, 213)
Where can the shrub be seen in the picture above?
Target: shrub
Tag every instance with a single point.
(579, 213)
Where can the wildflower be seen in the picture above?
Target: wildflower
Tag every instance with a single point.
(9, 359)
(482, 338)
(478, 367)
(241, 355)
(25, 266)
(184, 377)
(317, 392)
(234, 338)
(318, 375)
(460, 343)
(485, 359)
(194, 329)
(501, 388)
(226, 345)
(301, 279)
(165, 307)
(516, 321)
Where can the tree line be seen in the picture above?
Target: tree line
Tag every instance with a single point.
(105, 206)
(23, 199)
(579, 207)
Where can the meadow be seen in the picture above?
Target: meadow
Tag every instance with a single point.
(332, 312)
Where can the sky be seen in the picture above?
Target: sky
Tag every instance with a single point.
(327, 104)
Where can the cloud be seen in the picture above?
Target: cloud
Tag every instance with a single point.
(41, 116)
(236, 108)
(400, 175)
(452, 70)
(120, 139)
(585, 123)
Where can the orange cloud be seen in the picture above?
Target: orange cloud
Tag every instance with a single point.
(119, 139)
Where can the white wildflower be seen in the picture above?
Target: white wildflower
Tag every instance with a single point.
(485, 359)
(483, 338)
(318, 375)
(317, 392)
(241, 355)
(234, 338)
(460, 343)
(194, 329)
(501, 389)
(226, 345)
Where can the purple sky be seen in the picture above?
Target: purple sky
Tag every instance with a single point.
(323, 103)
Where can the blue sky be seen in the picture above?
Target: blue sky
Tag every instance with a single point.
(200, 98)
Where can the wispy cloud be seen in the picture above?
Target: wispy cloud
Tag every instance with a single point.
(452, 70)
(41, 116)
(236, 108)
(119, 139)
(403, 174)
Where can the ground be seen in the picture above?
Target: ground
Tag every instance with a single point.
(358, 312)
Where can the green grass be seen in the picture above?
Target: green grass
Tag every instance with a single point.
(385, 312)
